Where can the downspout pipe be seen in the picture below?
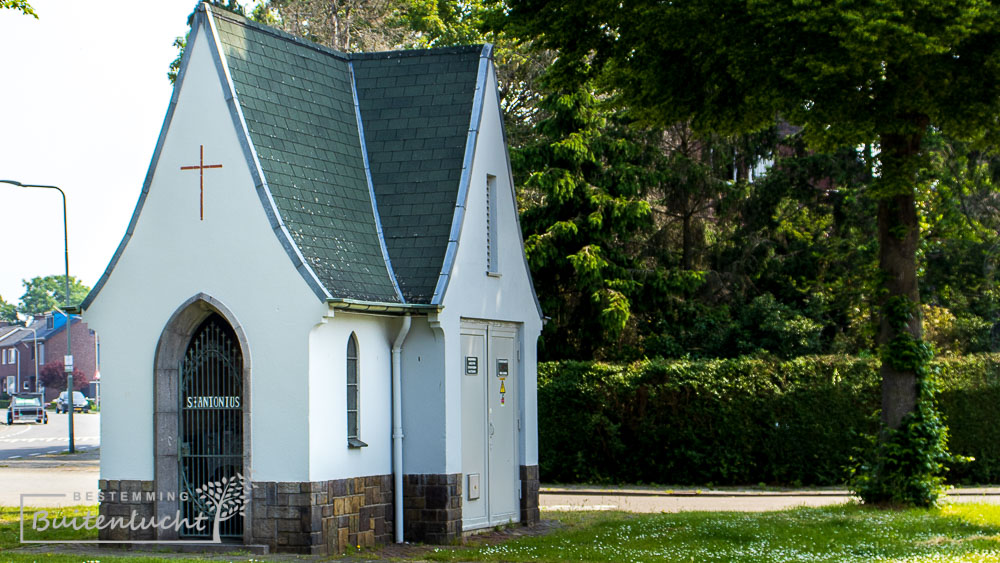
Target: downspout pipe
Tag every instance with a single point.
(397, 427)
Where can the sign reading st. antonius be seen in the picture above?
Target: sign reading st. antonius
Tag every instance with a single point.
(212, 402)
(342, 315)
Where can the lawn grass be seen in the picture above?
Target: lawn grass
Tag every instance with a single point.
(961, 533)
(957, 533)
(10, 518)
(10, 539)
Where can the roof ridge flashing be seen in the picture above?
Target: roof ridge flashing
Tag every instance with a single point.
(399, 53)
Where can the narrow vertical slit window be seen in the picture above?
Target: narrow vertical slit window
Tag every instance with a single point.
(492, 260)
(353, 418)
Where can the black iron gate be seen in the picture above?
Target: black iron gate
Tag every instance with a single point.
(211, 429)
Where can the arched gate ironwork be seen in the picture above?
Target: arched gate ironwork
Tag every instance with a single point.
(211, 429)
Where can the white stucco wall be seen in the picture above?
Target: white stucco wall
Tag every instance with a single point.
(424, 399)
(234, 256)
(330, 457)
(471, 293)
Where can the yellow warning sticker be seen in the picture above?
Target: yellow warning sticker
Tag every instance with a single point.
(502, 388)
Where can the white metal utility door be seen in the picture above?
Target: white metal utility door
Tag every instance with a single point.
(475, 507)
(490, 369)
(502, 410)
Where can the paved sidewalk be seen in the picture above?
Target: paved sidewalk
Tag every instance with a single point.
(73, 476)
(659, 499)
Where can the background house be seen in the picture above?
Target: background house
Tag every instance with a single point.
(18, 345)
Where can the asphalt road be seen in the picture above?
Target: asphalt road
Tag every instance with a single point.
(654, 500)
(23, 440)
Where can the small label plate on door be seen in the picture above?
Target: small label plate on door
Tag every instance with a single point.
(473, 486)
(503, 366)
(471, 365)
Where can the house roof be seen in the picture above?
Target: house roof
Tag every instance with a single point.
(45, 333)
(298, 105)
(362, 153)
(8, 334)
(416, 108)
(360, 160)
(11, 335)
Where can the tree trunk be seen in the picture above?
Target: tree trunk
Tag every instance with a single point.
(898, 233)
(687, 238)
(216, 536)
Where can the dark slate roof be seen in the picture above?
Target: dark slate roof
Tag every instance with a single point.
(298, 102)
(415, 107)
(299, 108)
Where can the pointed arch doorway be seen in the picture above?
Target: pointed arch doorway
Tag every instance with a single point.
(202, 415)
(211, 427)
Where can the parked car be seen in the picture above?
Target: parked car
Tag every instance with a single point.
(27, 407)
(80, 403)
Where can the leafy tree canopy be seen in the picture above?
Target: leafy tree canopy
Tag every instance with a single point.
(19, 5)
(8, 312)
(53, 376)
(848, 71)
(43, 294)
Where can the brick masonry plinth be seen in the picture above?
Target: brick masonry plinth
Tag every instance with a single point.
(432, 507)
(120, 499)
(322, 517)
(529, 494)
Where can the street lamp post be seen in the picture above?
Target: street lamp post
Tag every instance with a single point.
(69, 318)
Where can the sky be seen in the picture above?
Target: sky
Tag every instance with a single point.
(83, 92)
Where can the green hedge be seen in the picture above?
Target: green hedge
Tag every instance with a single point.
(745, 420)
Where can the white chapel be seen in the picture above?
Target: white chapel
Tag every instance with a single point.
(323, 293)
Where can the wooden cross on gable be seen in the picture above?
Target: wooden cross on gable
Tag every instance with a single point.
(201, 179)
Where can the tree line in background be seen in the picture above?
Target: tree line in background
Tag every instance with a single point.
(711, 179)
(714, 179)
(43, 294)
(689, 231)
(666, 242)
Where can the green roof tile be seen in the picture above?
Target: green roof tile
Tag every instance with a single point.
(290, 121)
(410, 102)
(415, 108)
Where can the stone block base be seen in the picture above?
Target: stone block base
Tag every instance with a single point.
(432, 507)
(322, 517)
(120, 499)
(529, 494)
